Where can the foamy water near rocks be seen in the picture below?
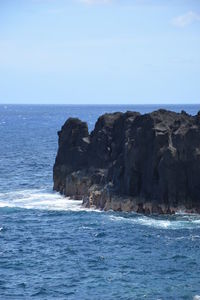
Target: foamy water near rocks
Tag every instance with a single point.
(131, 162)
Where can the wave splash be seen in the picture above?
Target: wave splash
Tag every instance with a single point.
(44, 199)
(38, 199)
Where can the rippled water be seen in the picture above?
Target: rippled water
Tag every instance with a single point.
(52, 248)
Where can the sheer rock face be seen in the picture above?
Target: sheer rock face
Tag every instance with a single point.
(146, 163)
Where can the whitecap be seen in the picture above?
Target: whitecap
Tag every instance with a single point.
(181, 223)
(39, 199)
(154, 222)
(143, 220)
(196, 221)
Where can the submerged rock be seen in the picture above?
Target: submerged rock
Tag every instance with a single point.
(130, 162)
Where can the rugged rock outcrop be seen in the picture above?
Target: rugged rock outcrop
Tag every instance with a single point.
(146, 163)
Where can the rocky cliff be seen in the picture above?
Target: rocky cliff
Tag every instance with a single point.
(131, 162)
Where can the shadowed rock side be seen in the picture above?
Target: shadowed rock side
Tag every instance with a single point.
(130, 162)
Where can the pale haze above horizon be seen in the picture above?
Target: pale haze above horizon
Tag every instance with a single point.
(99, 52)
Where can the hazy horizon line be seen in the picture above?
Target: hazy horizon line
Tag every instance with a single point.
(100, 104)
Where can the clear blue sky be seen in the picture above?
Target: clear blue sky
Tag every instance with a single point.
(100, 51)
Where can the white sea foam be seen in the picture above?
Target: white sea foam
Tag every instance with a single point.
(196, 221)
(143, 220)
(38, 199)
(47, 200)
(159, 223)
(154, 222)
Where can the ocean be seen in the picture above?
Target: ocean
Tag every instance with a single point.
(53, 248)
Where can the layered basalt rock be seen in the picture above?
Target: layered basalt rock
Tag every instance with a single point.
(130, 162)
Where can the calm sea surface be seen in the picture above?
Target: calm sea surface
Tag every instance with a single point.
(52, 248)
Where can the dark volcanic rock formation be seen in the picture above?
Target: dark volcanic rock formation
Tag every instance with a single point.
(147, 163)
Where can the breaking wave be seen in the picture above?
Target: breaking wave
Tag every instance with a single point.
(44, 199)
(38, 199)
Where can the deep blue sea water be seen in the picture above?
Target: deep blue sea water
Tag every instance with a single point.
(52, 248)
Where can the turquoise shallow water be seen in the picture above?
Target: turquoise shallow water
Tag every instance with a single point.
(52, 248)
